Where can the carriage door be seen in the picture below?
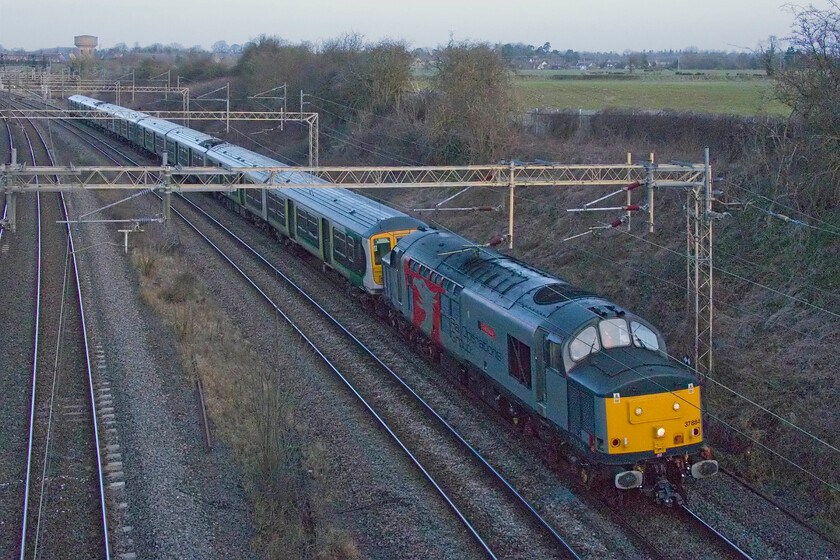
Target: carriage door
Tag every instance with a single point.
(291, 221)
(326, 239)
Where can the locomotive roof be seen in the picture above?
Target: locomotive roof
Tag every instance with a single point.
(500, 278)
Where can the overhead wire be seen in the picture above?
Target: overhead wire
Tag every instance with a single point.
(831, 228)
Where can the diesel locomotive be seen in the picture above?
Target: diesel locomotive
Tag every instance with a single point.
(564, 360)
(572, 366)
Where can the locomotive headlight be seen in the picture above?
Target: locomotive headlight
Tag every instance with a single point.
(639, 411)
(676, 406)
(660, 432)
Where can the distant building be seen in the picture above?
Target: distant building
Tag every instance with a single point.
(86, 45)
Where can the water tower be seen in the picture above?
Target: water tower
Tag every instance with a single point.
(86, 45)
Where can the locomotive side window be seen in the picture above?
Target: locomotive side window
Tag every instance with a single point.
(614, 333)
(643, 337)
(519, 361)
(552, 353)
(585, 343)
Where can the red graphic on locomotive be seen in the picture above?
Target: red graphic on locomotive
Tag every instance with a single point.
(419, 312)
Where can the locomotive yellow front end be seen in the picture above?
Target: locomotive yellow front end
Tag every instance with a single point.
(659, 422)
(667, 429)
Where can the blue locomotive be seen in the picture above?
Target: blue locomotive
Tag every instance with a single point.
(560, 360)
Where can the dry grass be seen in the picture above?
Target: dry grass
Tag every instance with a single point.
(248, 410)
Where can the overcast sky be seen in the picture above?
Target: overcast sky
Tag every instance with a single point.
(592, 25)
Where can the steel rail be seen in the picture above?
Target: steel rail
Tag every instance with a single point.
(717, 534)
(346, 381)
(782, 509)
(102, 504)
(34, 377)
(100, 476)
(5, 209)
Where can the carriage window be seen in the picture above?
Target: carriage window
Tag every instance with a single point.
(585, 343)
(614, 333)
(276, 209)
(307, 225)
(643, 337)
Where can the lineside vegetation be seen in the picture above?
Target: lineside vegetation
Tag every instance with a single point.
(249, 410)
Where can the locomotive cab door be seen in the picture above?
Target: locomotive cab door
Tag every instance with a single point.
(551, 379)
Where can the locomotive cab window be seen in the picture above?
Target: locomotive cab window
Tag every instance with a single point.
(585, 343)
(643, 337)
(614, 333)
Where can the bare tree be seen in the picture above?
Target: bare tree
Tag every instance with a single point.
(472, 114)
(809, 83)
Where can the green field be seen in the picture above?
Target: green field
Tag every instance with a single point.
(745, 93)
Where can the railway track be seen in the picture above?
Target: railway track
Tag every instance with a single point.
(728, 545)
(62, 505)
(418, 426)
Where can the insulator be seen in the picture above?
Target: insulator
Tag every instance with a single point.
(616, 223)
(632, 207)
(633, 185)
